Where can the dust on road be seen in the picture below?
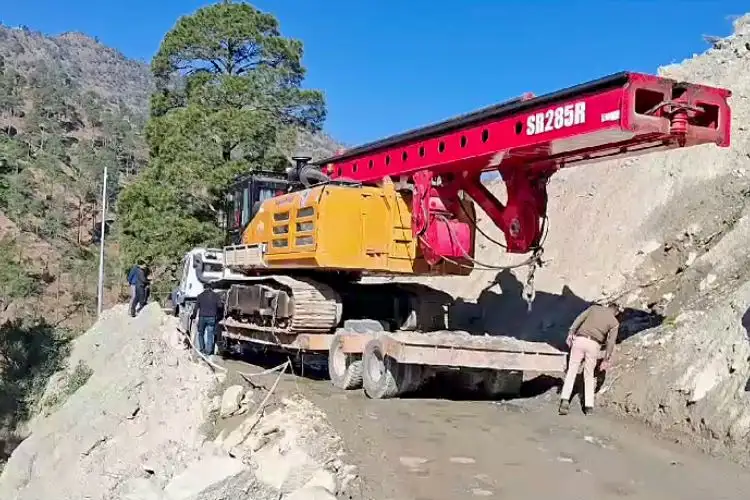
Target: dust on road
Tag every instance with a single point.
(428, 449)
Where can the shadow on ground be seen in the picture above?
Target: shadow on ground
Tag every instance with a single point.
(746, 326)
(29, 354)
(501, 310)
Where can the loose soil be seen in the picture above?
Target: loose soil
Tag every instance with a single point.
(420, 449)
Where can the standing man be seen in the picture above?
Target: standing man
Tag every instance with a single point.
(131, 284)
(207, 306)
(595, 327)
(137, 280)
(146, 286)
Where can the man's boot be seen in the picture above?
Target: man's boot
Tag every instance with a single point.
(564, 407)
(588, 410)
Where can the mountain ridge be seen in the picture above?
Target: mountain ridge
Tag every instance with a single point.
(68, 105)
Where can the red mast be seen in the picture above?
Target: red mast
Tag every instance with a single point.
(526, 140)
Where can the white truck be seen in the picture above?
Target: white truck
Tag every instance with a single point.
(199, 266)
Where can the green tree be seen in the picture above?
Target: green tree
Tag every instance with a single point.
(228, 96)
(11, 83)
(16, 282)
(16, 190)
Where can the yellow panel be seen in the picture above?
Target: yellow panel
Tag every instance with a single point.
(358, 228)
(375, 225)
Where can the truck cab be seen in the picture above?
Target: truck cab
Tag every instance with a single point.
(199, 266)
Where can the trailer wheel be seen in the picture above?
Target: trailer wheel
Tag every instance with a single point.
(380, 373)
(344, 370)
(383, 377)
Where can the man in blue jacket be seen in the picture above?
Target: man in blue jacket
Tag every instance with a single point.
(137, 281)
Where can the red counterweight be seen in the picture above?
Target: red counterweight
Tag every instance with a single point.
(526, 140)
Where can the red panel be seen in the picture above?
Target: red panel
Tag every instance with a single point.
(473, 147)
(447, 238)
(530, 136)
(527, 140)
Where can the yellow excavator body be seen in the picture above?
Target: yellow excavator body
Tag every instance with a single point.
(363, 229)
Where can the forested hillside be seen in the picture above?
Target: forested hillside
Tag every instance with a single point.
(69, 106)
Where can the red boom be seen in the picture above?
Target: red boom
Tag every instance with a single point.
(526, 140)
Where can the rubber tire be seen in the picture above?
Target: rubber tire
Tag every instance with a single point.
(351, 376)
(385, 385)
(395, 378)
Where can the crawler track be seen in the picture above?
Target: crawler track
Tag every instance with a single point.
(316, 306)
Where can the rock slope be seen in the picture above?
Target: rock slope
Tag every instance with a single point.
(130, 419)
(667, 235)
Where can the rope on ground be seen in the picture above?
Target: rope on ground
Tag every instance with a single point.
(210, 363)
(259, 412)
(245, 375)
(265, 372)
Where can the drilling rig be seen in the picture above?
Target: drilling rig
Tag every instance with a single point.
(405, 206)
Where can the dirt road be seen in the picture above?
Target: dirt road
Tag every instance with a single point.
(427, 449)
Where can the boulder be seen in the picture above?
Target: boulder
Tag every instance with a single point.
(231, 400)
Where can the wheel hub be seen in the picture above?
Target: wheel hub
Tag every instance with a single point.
(377, 369)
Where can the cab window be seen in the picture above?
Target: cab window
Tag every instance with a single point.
(185, 269)
(245, 206)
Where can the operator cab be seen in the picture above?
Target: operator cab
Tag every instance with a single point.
(244, 198)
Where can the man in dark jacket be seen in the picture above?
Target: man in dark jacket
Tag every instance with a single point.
(146, 288)
(137, 280)
(207, 306)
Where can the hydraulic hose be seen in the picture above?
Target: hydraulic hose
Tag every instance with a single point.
(309, 176)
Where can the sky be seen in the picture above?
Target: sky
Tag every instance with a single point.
(387, 66)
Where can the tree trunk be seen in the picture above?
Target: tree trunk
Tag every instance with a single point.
(80, 220)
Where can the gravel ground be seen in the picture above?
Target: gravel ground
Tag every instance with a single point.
(422, 448)
(136, 417)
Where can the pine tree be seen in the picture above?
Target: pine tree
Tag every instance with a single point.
(228, 96)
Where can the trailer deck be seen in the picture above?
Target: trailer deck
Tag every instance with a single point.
(388, 364)
(459, 349)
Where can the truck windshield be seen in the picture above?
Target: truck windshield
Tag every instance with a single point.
(209, 267)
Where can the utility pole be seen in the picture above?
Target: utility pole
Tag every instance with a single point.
(100, 288)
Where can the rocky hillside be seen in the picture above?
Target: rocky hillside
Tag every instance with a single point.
(68, 107)
(91, 65)
(667, 235)
(139, 417)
